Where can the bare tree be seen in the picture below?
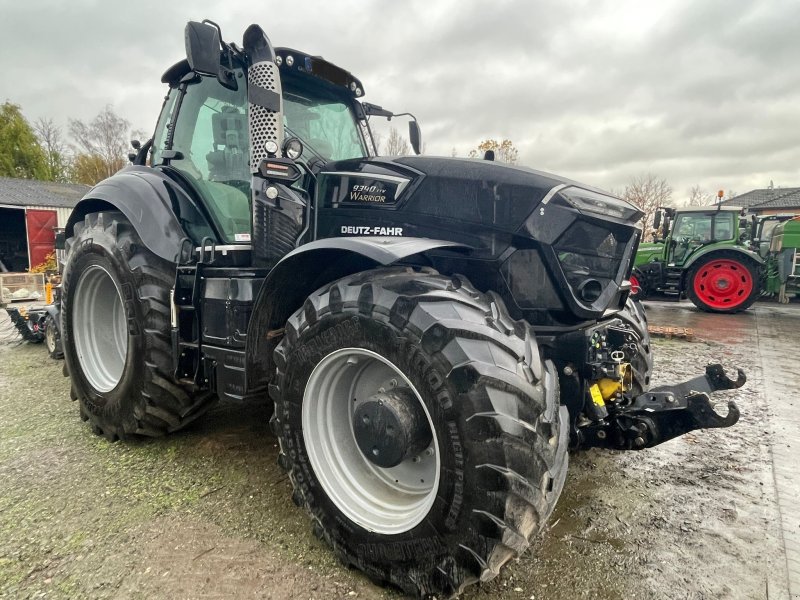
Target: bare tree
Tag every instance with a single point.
(55, 149)
(648, 192)
(105, 137)
(396, 144)
(699, 197)
(504, 151)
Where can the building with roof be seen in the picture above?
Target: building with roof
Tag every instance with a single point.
(30, 212)
(768, 201)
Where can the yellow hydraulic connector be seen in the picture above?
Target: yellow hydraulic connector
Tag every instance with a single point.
(48, 293)
(597, 395)
(609, 389)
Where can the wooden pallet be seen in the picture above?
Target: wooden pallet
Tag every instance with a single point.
(669, 332)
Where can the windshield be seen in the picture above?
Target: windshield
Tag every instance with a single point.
(704, 227)
(324, 122)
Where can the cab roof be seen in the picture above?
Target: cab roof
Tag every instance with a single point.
(302, 65)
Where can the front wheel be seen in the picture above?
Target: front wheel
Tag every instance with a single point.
(723, 283)
(420, 427)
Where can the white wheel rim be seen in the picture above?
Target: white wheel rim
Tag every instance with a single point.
(382, 500)
(99, 328)
(50, 336)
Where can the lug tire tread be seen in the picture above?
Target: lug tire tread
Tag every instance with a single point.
(482, 351)
(163, 406)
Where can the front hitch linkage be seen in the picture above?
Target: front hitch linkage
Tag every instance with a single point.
(666, 412)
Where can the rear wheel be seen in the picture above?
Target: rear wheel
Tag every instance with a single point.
(52, 338)
(116, 333)
(724, 283)
(420, 427)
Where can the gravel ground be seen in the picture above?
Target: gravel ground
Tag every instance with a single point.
(208, 513)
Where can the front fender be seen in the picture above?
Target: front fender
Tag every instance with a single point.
(308, 268)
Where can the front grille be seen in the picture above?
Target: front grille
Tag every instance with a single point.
(591, 256)
(274, 232)
(530, 285)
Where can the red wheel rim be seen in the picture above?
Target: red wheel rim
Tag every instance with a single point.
(635, 285)
(723, 283)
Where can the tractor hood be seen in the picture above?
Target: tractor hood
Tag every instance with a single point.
(541, 232)
(492, 195)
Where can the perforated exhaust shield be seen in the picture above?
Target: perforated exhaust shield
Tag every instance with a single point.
(264, 96)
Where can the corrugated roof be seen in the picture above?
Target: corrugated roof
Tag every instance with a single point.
(790, 199)
(32, 192)
(767, 198)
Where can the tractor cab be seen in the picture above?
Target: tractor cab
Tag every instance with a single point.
(203, 141)
(694, 229)
(203, 135)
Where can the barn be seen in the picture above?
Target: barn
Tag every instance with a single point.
(30, 212)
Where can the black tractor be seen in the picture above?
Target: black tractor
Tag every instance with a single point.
(434, 333)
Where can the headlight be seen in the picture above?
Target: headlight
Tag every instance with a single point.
(293, 148)
(593, 203)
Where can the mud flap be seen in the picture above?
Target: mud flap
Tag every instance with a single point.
(667, 412)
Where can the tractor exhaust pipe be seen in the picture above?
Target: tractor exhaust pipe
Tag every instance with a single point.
(264, 98)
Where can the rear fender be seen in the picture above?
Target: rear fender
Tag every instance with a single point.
(307, 269)
(147, 198)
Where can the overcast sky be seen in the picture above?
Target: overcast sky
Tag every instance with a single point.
(698, 92)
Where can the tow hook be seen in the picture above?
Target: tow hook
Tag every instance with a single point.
(666, 412)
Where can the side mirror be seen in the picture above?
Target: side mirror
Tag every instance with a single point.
(202, 48)
(657, 220)
(61, 240)
(415, 136)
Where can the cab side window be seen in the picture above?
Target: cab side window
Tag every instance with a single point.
(212, 136)
(723, 227)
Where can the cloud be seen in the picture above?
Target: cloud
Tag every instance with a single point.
(699, 93)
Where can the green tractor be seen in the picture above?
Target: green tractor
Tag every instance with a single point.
(701, 254)
(776, 238)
